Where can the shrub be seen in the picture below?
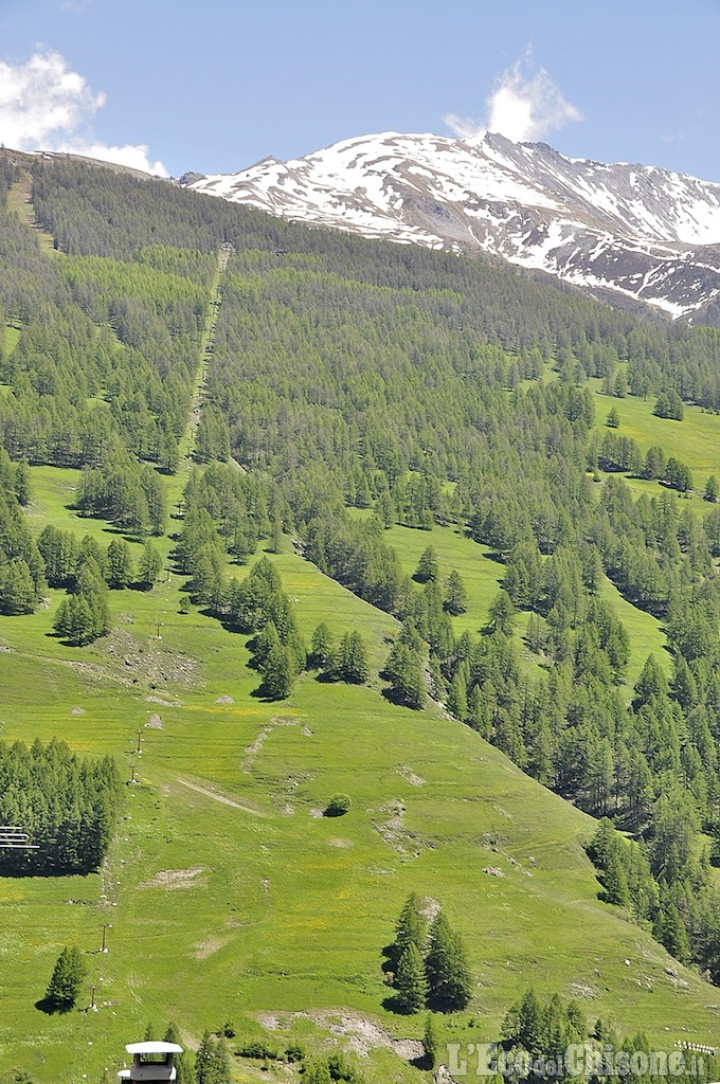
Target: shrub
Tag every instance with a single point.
(338, 805)
(256, 1048)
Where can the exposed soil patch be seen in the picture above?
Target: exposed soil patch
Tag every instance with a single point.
(147, 662)
(252, 750)
(208, 947)
(410, 776)
(360, 1034)
(174, 878)
(404, 842)
(429, 908)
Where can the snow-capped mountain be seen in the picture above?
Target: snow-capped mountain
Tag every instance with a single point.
(622, 231)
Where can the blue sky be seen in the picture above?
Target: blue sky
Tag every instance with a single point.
(215, 85)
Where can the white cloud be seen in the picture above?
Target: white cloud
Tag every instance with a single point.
(134, 155)
(525, 108)
(45, 106)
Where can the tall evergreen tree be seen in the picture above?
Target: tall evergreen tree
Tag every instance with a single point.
(405, 673)
(411, 927)
(446, 967)
(277, 673)
(430, 1041)
(428, 567)
(67, 978)
(183, 1066)
(204, 1060)
(150, 565)
(119, 564)
(410, 981)
(456, 598)
(352, 665)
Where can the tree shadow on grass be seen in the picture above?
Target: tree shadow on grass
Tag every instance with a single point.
(393, 1003)
(389, 955)
(262, 693)
(49, 1006)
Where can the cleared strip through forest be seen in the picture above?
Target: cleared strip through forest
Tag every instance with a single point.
(188, 442)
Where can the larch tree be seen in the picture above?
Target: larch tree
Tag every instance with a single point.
(446, 967)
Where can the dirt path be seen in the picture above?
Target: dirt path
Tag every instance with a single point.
(221, 798)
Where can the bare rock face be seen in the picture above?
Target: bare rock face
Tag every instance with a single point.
(629, 234)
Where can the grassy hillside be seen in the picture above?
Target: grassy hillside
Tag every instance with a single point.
(695, 440)
(335, 379)
(230, 898)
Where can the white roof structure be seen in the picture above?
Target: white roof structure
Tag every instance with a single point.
(150, 1046)
(152, 1061)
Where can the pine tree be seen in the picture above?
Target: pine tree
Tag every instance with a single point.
(352, 663)
(321, 646)
(82, 624)
(17, 590)
(410, 928)
(712, 489)
(446, 967)
(615, 878)
(430, 1041)
(670, 930)
(428, 567)
(220, 1064)
(184, 1074)
(410, 980)
(530, 1023)
(169, 459)
(502, 612)
(119, 564)
(204, 1059)
(456, 599)
(150, 565)
(67, 978)
(277, 673)
(404, 671)
(457, 701)
(62, 622)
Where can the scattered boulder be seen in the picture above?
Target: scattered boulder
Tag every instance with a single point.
(154, 722)
(224, 700)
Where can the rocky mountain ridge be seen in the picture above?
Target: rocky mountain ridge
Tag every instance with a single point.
(630, 234)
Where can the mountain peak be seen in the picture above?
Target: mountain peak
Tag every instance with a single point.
(634, 233)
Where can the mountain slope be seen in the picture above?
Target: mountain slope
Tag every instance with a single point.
(621, 231)
(230, 897)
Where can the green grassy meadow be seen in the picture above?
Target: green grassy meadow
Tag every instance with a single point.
(482, 575)
(695, 440)
(230, 898)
